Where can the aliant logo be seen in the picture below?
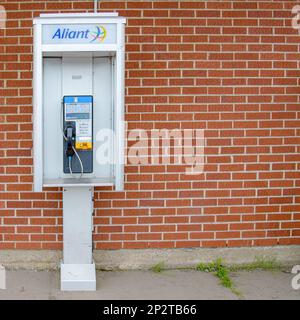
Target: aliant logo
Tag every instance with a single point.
(97, 34)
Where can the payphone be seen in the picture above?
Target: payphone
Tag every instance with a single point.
(78, 95)
(78, 134)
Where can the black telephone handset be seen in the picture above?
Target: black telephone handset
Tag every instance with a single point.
(70, 138)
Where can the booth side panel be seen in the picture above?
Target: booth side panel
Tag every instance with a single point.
(103, 113)
(52, 118)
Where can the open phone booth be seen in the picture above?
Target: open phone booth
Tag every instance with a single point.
(78, 108)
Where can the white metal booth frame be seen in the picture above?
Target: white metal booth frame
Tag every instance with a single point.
(68, 61)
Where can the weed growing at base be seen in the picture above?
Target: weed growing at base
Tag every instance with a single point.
(221, 272)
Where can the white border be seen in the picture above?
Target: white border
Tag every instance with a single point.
(37, 110)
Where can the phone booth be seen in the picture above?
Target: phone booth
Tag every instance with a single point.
(78, 89)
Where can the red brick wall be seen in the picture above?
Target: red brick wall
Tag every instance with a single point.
(228, 67)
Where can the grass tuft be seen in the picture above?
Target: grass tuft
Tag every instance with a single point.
(221, 272)
(159, 267)
(259, 263)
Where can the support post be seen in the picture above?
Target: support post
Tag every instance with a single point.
(78, 271)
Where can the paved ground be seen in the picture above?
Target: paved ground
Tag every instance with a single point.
(171, 284)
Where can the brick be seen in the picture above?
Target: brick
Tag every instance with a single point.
(229, 68)
(227, 234)
(175, 236)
